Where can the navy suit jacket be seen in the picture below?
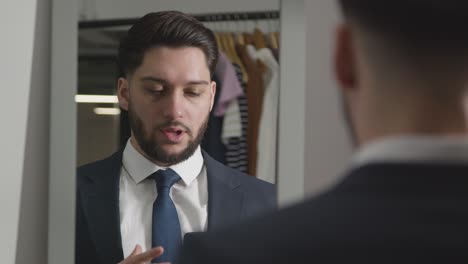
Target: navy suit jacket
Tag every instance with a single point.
(232, 196)
(380, 213)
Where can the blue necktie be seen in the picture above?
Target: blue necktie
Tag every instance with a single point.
(166, 227)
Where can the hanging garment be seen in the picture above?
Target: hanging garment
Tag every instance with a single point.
(231, 86)
(267, 140)
(254, 93)
(211, 142)
(236, 148)
(232, 126)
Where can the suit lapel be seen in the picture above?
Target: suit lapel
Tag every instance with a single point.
(101, 206)
(225, 196)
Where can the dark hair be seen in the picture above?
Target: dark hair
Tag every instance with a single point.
(167, 28)
(431, 25)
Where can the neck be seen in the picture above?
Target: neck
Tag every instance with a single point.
(413, 117)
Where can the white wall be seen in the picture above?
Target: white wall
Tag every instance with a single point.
(16, 81)
(327, 148)
(109, 9)
(62, 164)
(291, 128)
(32, 230)
(314, 150)
(24, 138)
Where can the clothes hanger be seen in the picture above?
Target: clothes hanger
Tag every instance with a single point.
(231, 47)
(231, 43)
(258, 37)
(271, 36)
(218, 41)
(216, 33)
(239, 37)
(227, 46)
(246, 35)
(224, 38)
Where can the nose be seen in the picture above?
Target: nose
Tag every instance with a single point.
(173, 107)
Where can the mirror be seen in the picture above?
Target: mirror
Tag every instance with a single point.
(241, 132)
(64, 35)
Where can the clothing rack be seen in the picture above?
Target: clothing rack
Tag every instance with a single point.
(209, 17)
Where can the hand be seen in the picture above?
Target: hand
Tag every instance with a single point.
(140, 258)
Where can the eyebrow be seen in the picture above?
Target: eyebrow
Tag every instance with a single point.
(165, 82)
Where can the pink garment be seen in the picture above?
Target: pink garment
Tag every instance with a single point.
(229, 84)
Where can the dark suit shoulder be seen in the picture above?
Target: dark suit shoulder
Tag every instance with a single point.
(97, 199)
(253, 183)
(107, 166)
(392, 210)
(249, 183)
(259, 196)
(259, 190)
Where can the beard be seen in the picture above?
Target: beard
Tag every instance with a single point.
(147, 141)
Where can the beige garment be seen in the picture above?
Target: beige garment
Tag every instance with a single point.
(268, 131)
(254, 94)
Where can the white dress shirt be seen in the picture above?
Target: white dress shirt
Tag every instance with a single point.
(137, 194)
(414, 149)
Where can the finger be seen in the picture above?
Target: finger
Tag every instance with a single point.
(150, 254)
(136, 251)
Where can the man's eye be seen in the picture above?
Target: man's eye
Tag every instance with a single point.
(157, 91)
(192, 94)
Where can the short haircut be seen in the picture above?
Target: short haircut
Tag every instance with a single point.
(168, 29)
(431, 26)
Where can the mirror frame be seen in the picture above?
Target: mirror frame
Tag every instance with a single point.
(62, 185)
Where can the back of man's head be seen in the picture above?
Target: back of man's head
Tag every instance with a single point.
(428, 34)
(403, 64)
(431, 25)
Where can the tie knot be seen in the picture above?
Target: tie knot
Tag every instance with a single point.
(165, 178)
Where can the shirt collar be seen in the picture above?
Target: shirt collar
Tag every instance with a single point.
(414, 149)
(139, 167)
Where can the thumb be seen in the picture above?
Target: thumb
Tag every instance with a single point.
(136, 250)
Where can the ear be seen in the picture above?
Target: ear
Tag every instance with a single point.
(212, 93)
(123, 93)
(345, 64)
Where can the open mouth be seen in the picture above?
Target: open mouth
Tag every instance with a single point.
(173, 134)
